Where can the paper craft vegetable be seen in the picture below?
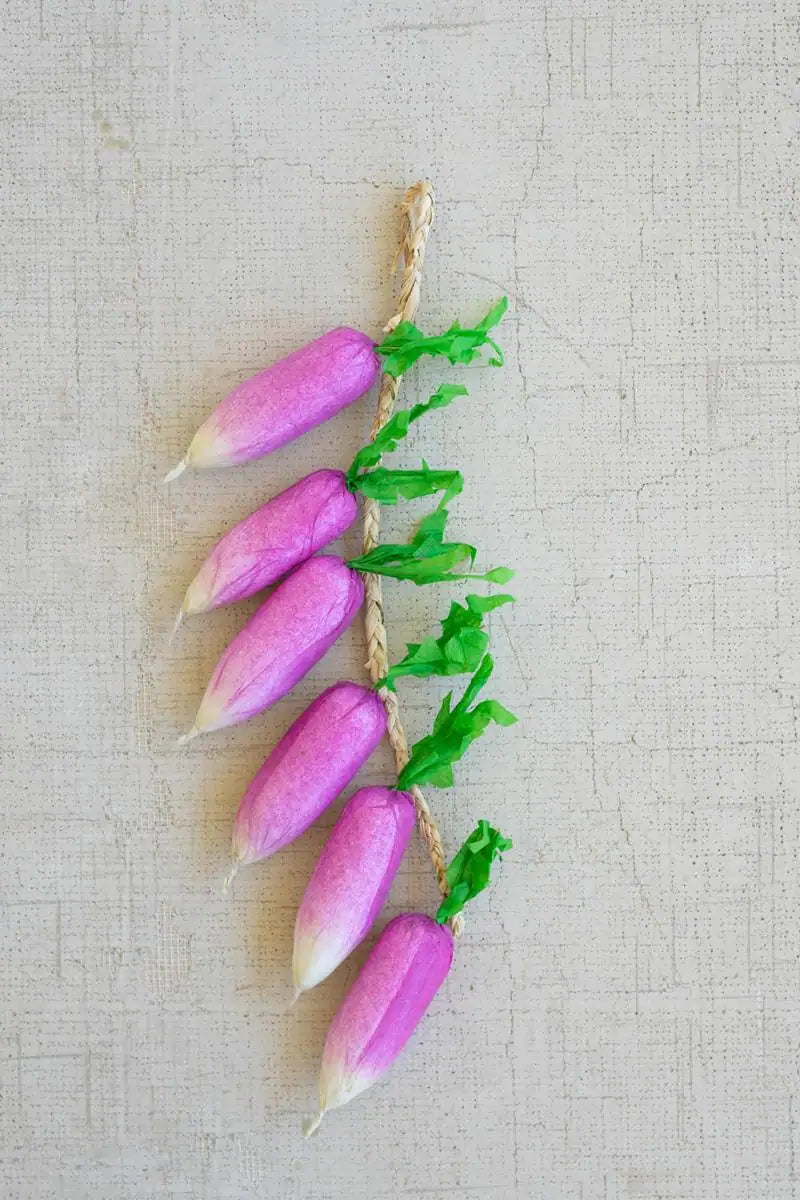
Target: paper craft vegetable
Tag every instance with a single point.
(285, 400)
(271, 541)
(350, 881)
(317, 599)
(404, 971)
(307, 387)
(291, 632)
(314, 760)
(312, 513)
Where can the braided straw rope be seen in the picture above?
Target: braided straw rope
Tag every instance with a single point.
(417, 218)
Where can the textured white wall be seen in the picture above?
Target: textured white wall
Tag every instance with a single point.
(192, 189)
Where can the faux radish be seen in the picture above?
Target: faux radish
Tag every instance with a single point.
(404, 971)
(350, 881)
(288, 635)
(314, 760)
(284, 401)
(271, 541)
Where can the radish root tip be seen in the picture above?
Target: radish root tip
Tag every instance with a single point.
(312, 1124)
(176, 471)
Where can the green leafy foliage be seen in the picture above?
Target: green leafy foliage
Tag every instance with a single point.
(468, 873)
(427, 558)
(458, 650)
(454, 731)
(387, 487)
(395, 429)
(405, 344)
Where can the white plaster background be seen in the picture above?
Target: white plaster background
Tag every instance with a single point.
(190, 190)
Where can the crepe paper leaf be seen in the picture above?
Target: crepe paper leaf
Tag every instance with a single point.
(497, 575)
(396, 428)
(454, 731)
(460, 648)
(406, 343)
(387, 487)
(426, 558)
(468, 873)
(460, 617)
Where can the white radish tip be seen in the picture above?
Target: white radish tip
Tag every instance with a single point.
(176, 471)
(187, 737)
(229, 878)
(176, 626)
(312, 1124)
(298, 991)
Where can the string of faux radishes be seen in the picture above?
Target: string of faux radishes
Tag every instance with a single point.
(325, 747)
(413, 954)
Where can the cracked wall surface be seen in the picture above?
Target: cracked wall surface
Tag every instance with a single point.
(191, 191)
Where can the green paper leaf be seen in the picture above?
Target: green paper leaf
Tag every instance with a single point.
(405, 344)
(492, 319)
(396, 428)
(457, 651)
(388, 487)
(427, 558)
(442, 777)
(454, 731)
(499, 575)
(494, 315)
(462, 618)
(468, 873)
